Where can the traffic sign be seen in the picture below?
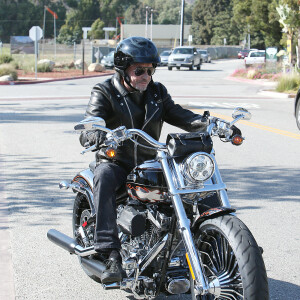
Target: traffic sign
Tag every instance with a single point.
(36, 33)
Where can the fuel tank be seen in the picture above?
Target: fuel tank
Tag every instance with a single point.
(146, 183)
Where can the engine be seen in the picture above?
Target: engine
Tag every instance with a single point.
(142, 230)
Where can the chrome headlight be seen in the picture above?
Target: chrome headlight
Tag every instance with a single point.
(198, 167)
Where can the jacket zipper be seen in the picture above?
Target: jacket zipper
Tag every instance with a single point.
(150, 118)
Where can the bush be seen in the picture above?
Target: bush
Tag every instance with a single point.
(8, 69)
(288, 83)
(44, 68)
(5, 59)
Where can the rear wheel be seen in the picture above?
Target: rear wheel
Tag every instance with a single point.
(191, 67)
(178, 68)
(170, 68)
(81, 213)
(232, 260)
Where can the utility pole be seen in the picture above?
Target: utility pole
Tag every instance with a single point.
(146, 29)
(182, 24)
(151, 26)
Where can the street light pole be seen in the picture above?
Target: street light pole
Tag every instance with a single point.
(182, 23)
(151, 33)
(146, 33)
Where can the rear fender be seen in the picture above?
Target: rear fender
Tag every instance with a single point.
(211, 214)
(85, 181)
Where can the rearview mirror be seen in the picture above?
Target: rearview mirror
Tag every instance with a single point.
(87, 124)
(241, 113)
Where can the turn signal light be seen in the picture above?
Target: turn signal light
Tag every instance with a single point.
(110, 152)
(237, 140)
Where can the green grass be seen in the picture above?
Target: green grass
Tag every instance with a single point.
(288, 83)
(8, 69)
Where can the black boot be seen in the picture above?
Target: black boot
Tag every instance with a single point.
(113, 272)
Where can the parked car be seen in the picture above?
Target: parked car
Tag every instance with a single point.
(243, 53)
(256, 57)
(164, 56)
(204, 55)
(297, 108)
(108, 60)
(184, 56)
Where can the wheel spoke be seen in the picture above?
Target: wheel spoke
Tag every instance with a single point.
(220, 265)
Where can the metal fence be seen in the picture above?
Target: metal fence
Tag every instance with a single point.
(93, 53)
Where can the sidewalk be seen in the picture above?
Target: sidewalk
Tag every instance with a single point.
(32, 80)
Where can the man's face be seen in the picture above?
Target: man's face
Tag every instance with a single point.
(139, 82)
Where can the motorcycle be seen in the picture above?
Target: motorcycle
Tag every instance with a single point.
(178, 232)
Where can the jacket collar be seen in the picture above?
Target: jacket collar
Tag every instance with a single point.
(116, 81)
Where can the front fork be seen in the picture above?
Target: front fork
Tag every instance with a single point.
(202, 285)
(184, 228)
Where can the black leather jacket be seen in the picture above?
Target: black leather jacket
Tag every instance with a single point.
(111, 101)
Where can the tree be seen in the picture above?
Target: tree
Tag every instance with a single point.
(256, 18)
(111, 9)
(97, 30)
(84, 16)
(212, 22)
(290, 19)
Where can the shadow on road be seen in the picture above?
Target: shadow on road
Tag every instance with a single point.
(263, 183)
(37, 186)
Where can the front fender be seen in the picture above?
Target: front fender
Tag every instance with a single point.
(211, 214)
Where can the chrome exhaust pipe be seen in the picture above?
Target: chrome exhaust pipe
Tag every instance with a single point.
(69, 244)
(95, 267)
(62, 240)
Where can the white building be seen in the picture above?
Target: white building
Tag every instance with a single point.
(162, 35)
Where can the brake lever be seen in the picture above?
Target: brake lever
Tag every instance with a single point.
(88, 149)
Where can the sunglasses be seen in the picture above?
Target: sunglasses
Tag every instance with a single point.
(139, 71)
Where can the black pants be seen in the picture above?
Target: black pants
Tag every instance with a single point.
(108, 178)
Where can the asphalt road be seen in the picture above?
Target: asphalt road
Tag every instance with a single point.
(38, 149)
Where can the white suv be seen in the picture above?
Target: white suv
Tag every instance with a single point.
(256, 57)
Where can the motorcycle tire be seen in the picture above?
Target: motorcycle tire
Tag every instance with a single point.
(232, 258)
(81, 212)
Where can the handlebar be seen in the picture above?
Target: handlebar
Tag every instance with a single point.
(216, 127)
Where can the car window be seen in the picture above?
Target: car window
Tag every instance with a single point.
(253, 54)
(110, 54)
(165, 53)
(183, 51)
(261, 54)
(202, 51)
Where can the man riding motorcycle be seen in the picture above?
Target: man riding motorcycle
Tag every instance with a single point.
(129, 98)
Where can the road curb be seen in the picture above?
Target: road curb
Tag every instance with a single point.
(33, 81)
(276, 95)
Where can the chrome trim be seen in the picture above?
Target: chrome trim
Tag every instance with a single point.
(217, 180)
(80, 251)
(184, 226)
(145, 262)
(88, 175)
(179, 176)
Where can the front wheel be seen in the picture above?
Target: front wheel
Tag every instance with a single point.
(232, 260)
(298, 113)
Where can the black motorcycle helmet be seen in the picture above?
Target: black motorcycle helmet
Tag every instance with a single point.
(134, 50)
